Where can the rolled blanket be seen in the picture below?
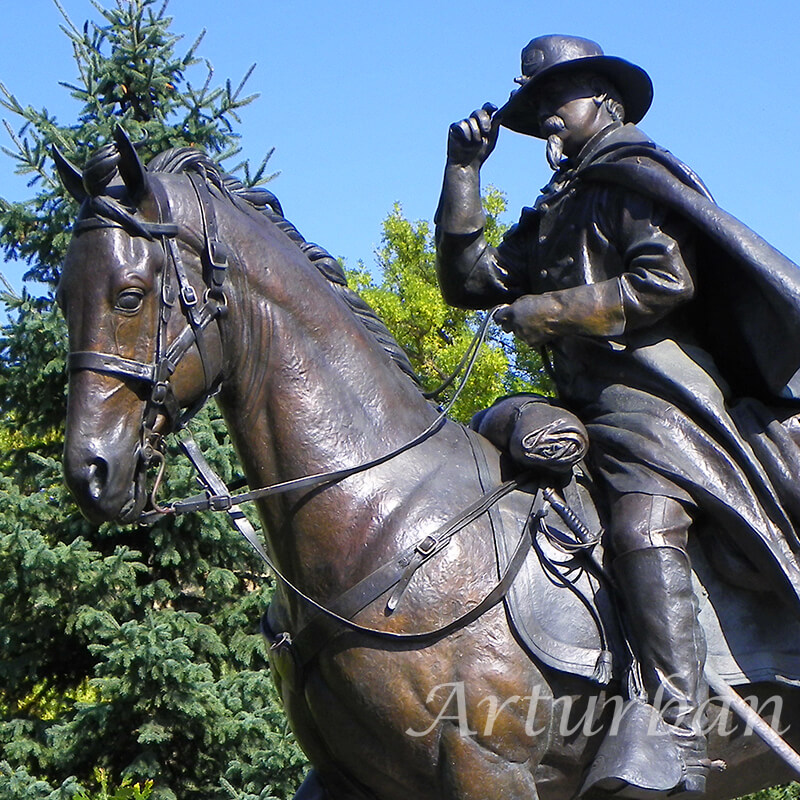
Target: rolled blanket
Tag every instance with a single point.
(537, 434)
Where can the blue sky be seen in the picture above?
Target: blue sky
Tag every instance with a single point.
(357, 96)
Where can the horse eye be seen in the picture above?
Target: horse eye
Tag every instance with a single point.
(130, 300)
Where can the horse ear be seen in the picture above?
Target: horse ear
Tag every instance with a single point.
(133, 173)
(70, 175)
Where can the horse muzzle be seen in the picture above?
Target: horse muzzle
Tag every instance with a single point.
(107, 486)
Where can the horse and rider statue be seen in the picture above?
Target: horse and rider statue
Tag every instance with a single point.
(533, 605)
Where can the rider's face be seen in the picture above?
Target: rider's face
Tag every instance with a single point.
(576, 106)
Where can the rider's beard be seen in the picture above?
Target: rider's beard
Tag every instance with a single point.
(553, 126)
(555, 151)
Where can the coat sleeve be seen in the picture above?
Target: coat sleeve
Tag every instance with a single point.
(657, 251)
(472, 274)
(650, 254)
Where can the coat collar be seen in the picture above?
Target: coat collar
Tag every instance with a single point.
(603, 143)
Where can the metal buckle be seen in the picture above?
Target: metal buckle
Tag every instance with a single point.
(427, 546)
(220, 502)
(159, 393)
(218, 254)
(189, 296)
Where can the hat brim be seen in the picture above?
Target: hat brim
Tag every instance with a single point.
(632, 82)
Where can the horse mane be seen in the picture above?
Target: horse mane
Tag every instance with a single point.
(184, 159)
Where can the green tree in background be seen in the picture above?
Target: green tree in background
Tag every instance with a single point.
(130, 662)
(434, 334)
(126, 656)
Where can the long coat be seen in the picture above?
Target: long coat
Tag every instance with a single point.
(678, 339)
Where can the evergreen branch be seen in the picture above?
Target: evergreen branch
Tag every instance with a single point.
(14, 139)
(10, 102)
(66, 17)
(247, 100)
(209, 75)
(189, 58)
(127, 45)
(244, 81)
(74, 90)
(9, 288)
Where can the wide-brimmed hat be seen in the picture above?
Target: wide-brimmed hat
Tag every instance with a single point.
(546, 56)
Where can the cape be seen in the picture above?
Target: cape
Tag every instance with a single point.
(747, 317)
(748, 293)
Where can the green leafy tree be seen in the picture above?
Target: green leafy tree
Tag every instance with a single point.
(435, 335)
(789, 792)
(126, 656)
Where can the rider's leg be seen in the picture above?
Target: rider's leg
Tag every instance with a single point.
(649, 537)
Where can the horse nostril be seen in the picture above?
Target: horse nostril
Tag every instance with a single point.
(96, 477)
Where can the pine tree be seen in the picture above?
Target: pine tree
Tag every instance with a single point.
(126, 656)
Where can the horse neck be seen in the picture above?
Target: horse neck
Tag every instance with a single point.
(309, 389)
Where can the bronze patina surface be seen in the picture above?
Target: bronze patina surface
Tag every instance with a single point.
(306, 389)
(673, 333)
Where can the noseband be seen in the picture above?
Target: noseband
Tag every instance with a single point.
(199, 313)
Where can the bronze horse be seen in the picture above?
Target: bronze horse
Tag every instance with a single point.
(306, 388)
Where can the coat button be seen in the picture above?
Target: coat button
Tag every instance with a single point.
(543, 273)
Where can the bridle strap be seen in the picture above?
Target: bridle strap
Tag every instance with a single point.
(318, 631)
(157, 374)
(198, 312)
(154, 230)
(396, 573)
(210, 501)
(111, 364)
(215, 252)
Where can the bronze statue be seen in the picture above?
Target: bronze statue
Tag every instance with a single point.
(674, 334)
(179, 281)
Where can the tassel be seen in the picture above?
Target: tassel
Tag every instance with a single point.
(604, 668)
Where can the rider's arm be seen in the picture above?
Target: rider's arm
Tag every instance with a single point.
(655, 277)
(471, 273)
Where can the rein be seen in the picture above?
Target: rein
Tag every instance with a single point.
(223, 501)
(217, 497)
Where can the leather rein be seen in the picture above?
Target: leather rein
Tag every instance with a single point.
(199, 314)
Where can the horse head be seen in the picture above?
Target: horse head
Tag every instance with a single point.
(140, 295)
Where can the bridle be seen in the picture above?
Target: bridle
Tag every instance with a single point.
(198, 312)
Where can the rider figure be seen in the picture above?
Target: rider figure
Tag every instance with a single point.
(608, 270)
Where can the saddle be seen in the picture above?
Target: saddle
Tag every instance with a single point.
(561, 605)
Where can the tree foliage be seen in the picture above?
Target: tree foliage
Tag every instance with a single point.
(130, 662)
(126, 656)
(789, 792)
(435, 335)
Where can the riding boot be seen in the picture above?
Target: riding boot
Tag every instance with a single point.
(662, 610)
